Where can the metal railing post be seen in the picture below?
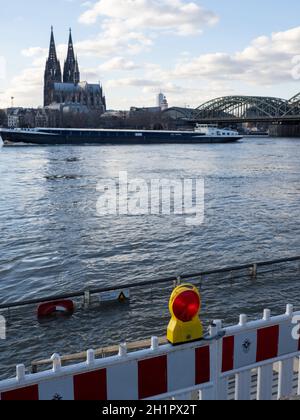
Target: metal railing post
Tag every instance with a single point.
(219, 384)
(87, 299)
(254, 272)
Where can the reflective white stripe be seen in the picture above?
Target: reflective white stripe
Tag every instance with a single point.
(122, 382)
(287, 344)
(181, 370)
(60, 389)
(245, 349)
(60, 309)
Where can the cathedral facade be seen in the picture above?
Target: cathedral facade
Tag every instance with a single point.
(66, 88)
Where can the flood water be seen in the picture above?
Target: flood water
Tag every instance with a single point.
(53, 240)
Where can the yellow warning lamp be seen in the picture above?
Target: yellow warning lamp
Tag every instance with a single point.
(185, 325)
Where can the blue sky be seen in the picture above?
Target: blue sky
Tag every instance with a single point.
(193, 50)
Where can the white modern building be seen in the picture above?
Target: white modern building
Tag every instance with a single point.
(162, 102)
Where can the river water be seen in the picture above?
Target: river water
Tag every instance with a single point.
(54, 241)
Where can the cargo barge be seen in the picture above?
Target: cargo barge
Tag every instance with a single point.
(202, 134)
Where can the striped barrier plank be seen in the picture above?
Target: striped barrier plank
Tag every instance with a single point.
(164, 370)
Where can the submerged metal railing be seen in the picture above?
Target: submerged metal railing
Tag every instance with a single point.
(85, 294)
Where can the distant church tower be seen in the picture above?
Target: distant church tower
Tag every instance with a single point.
(71, 68)
(52, 72)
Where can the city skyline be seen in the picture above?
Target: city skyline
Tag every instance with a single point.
(192, 51)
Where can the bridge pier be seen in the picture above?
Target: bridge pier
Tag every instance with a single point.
(285, 130)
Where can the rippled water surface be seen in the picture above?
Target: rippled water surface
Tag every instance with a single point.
(52, 240)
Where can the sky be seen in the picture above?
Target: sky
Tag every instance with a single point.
(191, 50)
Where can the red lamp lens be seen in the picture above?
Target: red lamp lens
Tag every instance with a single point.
(186, 306)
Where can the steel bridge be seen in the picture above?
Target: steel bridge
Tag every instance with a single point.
(238, 109)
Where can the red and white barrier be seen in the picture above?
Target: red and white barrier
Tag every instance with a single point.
(251, 344)
(142, 375)
(164, 371)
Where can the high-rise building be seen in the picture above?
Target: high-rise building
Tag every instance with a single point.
(68, 89)
(162, 102)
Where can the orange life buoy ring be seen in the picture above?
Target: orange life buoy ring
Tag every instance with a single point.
(64, 307)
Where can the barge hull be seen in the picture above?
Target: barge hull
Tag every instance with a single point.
(109, 138)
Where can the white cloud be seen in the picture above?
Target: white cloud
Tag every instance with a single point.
(118, 63)
(132, 26)
(177, 16)
(132, 82)
(26, 88)
(267, 60)
(186, 95)
(114, 39)
(33, 52)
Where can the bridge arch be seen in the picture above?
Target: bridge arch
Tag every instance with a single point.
(242, 107)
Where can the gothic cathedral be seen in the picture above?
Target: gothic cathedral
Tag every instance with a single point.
(67, 90)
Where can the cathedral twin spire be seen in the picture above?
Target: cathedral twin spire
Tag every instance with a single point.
(71, 72)
(71, 68)
(53, 69)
